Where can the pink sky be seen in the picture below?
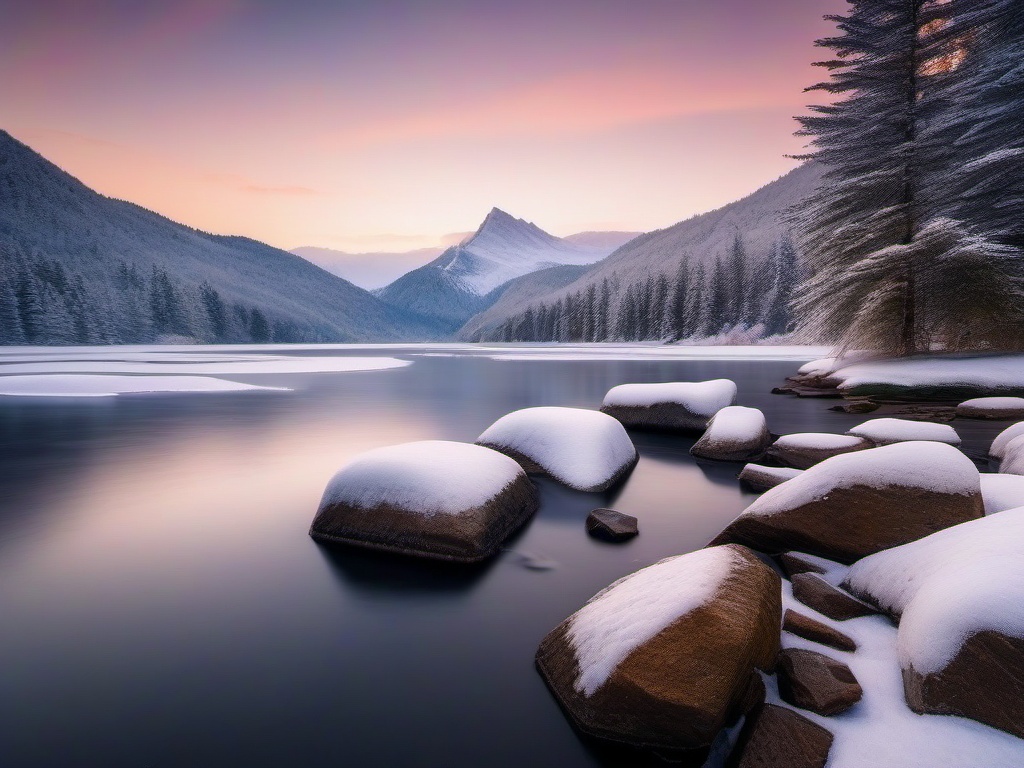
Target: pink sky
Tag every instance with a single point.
(386, 125)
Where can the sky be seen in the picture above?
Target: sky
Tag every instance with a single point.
(390, 124)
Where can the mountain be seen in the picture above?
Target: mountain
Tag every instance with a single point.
(79, 267)
(731, 268)
(604, 240)
(368, 270)
(462, 280)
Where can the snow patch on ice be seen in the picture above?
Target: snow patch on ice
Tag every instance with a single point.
(888, 431)
(428, 477)
(702, 398)
(934, 466)
(70, 385)
(582, 448)
(637, 607)
(950, 585)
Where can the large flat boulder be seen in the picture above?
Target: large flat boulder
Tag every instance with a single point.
(735, 433)
(586, 450)
(854, 505)
(676, 406)
(888, 431)
(805, 449)
(435, 499)
(959, 598)
(995, 408)
(667, 656)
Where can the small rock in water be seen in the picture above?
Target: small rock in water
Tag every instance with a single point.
(815, 592)
(534, 562)
(816, 682)
(816, 631)
(609, 525)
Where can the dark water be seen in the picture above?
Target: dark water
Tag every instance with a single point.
(162, 605)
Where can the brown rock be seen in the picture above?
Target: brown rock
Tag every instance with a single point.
(678, 689)
(609, 525)
(816, 682)
(777, 737)
(731, 435)
(791, 564)
(816, 631)
(815, 592)
(856, 406)
(760, 478)
(984, 681)
(807, 449)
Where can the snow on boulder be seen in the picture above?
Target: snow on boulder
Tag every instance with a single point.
(735, 433)
(586, 450)
(1001, 492)
(959, 594)
(1013, 457)
(437, 499)
(674, 406)
(856, 504)
(759, 478)
(889, 431)
(1003, 439)
(666, 656)
(992, 408)
(805, 449)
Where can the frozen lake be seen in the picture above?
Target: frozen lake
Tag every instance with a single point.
(162, 604)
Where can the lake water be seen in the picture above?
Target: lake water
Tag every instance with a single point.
(161, 603)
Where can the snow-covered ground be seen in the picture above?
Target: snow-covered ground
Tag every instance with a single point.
(85, 385)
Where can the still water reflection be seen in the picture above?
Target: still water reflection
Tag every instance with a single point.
(162, 604)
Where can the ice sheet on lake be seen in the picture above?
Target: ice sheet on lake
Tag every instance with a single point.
(159, 362)
(76, 385)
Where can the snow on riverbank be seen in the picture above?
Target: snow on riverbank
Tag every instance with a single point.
(70, 385)
(990, 373)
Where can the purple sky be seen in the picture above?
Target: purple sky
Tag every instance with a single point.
(377, 125)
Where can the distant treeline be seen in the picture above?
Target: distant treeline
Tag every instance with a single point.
(43, 302)
(695, 302)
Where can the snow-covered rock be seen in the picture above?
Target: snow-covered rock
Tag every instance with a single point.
(959, 594)
(759, 478)
(998, 449)
(735, 433)
(1001, 492)
(677, 405)
(1013, 457)
(586, 450)
(933, 377)
(805, 449)
(889, 431)
(666, 656)
(434, 498)
(992, 408)
(856, 504)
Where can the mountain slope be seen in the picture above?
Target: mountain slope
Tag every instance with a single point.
(84, 268)
(748, 240)
(369, 271)
(457, 284)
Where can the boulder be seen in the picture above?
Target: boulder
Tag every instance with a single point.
(814, 592)
(678, 406)
(435, 499)
(735, 433)
(777, 737)
(1013, 457)
(854, 505)
(888, 431)
(667, 656)
(1001, 492)
(609, 525)
(816, 631)
(760, 478)
(816, 682)
(805, 449)
(586, 450)
(793, 563)
(991, 408)
(959, 597)
(1003, 439)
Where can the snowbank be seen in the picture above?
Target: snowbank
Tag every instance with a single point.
(586, 450)
(68, 385)
(429, 477)
(998, 449)
(949, 586)
(889, 431)
(704, 398)
(1001, 492)
(997, 374)
(636, 608)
